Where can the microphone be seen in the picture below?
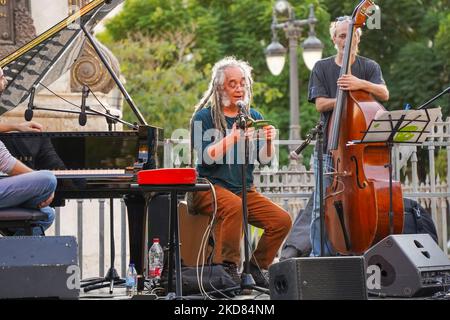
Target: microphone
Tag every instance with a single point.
(295, 153)
(29, 111)
(313, 132)
(242, 114)
(242, 106)
(82, 118)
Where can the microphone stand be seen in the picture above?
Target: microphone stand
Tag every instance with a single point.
(312, 133)
(247, 281)
(317, 130)
(112, 277)
(88, 111)
(423, 106)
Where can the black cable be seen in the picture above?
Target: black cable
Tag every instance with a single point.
(57, 95)
(90, 90)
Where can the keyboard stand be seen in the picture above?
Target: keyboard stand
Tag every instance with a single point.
(174, 259)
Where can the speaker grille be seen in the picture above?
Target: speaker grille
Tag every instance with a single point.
(332, 278)
(320, 278)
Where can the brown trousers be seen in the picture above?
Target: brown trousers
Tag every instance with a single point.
(228, 230)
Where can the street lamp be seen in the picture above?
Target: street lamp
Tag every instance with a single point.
(275, 54)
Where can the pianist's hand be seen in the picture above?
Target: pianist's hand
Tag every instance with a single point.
(30, 126)
(47, 202)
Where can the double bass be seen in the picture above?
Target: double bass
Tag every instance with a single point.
(357, 201)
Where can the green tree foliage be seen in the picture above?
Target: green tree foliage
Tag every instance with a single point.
(161, 77)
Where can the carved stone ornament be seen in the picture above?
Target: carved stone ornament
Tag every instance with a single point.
(24, 30)
(89, 70)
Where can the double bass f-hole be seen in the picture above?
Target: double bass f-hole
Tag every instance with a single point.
(364, 183)
(335, 180)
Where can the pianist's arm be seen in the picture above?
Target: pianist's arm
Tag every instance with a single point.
(29, 126)
(19, 168)
(10, 165)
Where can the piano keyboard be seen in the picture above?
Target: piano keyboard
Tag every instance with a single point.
(91, 173)
(87, 173)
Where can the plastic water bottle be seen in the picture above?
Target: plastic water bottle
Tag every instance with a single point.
(155, 262)
(131, 280)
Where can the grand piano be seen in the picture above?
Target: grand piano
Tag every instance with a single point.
(86, 164)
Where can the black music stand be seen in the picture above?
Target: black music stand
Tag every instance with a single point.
(399, 127)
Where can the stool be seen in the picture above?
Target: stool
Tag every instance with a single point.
(192, 228)
(20, 218)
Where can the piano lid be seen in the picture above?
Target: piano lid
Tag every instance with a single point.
(47, 57)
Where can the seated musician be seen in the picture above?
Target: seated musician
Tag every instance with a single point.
(24, 187)
(218, 155)
(323, 84)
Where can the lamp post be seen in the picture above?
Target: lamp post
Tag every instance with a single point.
(275, 54)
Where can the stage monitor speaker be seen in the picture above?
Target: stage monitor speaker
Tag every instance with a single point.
(408, 265)
(39, 267)
(318, 278)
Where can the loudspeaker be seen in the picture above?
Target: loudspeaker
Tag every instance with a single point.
(407, 265)
(39, 267)
(318, 278)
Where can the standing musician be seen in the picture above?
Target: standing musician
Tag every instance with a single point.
(323, 84)
(217, 140)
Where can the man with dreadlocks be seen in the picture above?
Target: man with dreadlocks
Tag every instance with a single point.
(218, 141)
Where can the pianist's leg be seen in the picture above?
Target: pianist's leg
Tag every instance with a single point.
(28, 190)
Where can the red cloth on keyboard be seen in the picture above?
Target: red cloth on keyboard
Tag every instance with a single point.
(167, 176)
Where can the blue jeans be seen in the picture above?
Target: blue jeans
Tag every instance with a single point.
(28, 190)
(315, 217)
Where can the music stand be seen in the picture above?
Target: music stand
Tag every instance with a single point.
(399, 127)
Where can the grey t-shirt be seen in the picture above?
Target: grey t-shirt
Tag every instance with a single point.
(324, 76)
(7, 161)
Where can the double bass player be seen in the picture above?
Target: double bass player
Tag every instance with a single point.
(325, 80)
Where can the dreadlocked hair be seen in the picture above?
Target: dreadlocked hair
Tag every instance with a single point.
(214, 95)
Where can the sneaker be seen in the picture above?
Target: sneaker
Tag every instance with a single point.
(260, 276)
(232, 270)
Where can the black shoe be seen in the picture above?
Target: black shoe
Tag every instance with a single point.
(232, 270)
(290, 252)
(260, 276)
